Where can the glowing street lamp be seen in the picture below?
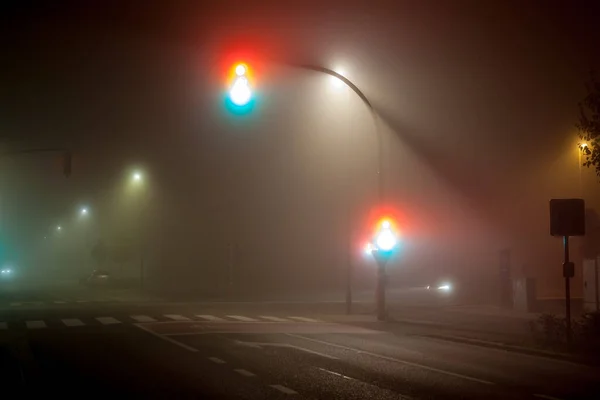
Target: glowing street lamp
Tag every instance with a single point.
(136, 177)
(59, 228)
(83, 212)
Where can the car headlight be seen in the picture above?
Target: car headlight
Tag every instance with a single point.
(445, 287)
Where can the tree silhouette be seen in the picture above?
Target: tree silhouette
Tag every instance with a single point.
(589, 124)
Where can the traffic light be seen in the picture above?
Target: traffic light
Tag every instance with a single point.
(240, 98)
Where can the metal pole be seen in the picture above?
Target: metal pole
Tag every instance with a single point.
(380, 292)
(567, 293)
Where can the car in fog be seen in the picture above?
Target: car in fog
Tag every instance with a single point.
(98, 278)
(7, 274)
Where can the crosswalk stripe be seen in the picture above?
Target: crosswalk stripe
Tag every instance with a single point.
(304, 319)
(284, 389)
(143, 318)
(210, 318)
(244, 372)
(72, 322)
(274, 319)
(35, 324)
(242, 318)
(176, 317)
(108, 320)
(3, 325)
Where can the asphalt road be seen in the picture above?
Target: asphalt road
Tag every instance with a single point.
(161, 350)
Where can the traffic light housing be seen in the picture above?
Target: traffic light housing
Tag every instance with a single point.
(240, 96)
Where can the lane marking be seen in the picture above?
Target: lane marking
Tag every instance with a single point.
(108, 320)
(81, 301)
(35, 324)
(72, 322)
(304, 319)
(242, 318)
(176, 317)
(143, 318)
(335, 373)
(243, 372)
(210, 318)
(545, 396)
(402, 396)
(3, 326)
(59, 302)
(258, 345)
(15, 304)
(166, 338)
(216, 360)
(412, 364)
(274, 319)
(283, 389)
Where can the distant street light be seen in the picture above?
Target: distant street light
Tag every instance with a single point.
(583, 149)
(83, 212)
(58, 228)
(137, 177)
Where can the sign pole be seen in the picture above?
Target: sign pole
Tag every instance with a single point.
(568, 272)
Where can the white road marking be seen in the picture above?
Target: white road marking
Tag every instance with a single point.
(242, 318)
(257, 345)
(243, 372)
(81, 301)
(401, 396)
(335, 373)
(284, 389)
(545, 396)
(108, 320)
(167, 339)
(176, 317)
(15, 304)
(35, 324)
(216, 360)
(72, 322)
(143, 318)
(304, 319)
(59, 302)
(3, 326)
(412, 364)
(274, 319)
(210, 318)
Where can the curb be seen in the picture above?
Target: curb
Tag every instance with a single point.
(508, 347)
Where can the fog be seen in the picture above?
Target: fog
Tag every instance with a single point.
(476, 106)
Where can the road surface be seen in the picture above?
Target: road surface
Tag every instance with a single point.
(162, 350)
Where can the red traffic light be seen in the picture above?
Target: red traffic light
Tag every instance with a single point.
(240, 92)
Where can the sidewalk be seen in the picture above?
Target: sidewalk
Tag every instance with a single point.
(477, 322)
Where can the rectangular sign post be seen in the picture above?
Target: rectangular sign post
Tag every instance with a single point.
(567, 218)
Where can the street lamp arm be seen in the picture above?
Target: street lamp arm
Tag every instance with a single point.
(66, 160)
(365, 100)
(342, 78)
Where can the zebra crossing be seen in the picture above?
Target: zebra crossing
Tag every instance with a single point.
(58, 302)
(37, 324)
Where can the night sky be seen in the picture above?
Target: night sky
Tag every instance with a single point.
(477, 103)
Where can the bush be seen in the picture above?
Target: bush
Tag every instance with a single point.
(550, 331)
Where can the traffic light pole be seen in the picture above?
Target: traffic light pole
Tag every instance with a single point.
(381, 281)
